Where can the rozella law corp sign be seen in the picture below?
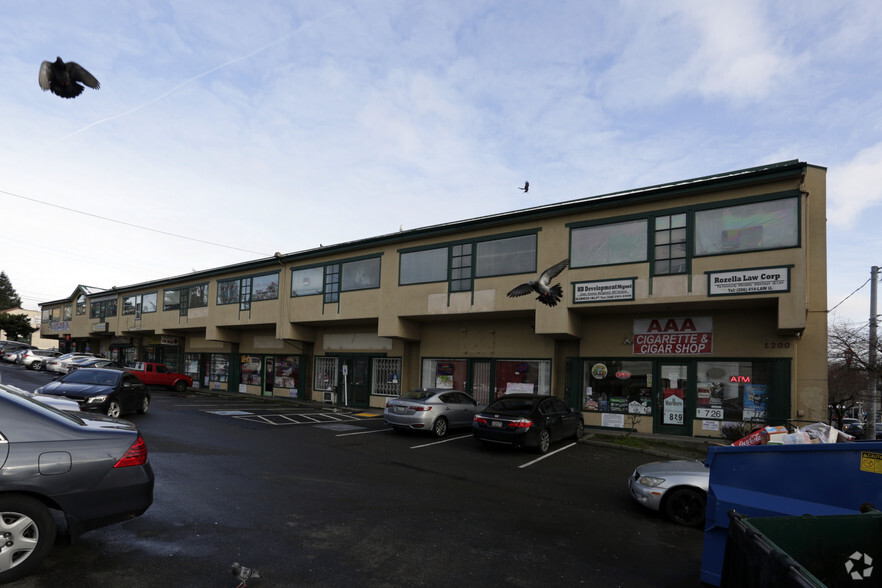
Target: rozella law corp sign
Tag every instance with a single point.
(749, 281)
(674, 336)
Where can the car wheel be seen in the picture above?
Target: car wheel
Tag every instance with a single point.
(113, 409)
(544, 441)
(439, 427)
(180, 386)
(28, 532)
(145, 405)
(580, 429)
(35, 365)
(685, 506)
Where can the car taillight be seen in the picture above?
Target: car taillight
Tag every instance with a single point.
(480, 420)
(521, 424)
(421, 408)
(135, 456)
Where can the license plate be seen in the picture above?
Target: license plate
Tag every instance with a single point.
(400, 410)
(496, 424)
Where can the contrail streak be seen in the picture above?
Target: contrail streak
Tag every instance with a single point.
(192, 79)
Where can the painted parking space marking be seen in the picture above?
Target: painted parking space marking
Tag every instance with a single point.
(314, 418)
(549, 454)
(229, 412)
(340, 427)
(448, 440)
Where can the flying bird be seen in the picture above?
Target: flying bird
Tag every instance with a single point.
(526, 187)
(244, 574)
(64, 79)
(549, 295)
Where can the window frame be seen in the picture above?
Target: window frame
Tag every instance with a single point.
(185, 297)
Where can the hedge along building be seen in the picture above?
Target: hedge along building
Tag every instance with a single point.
(685, 305)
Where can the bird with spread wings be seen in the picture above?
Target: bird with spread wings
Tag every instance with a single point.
(549, 295)
(65, 79)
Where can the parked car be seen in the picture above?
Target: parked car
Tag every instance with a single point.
(113, 392)
(853, 427)
(13, 345)
(527, 420)
(92, 469)
(60, 364)
(53, 401)
(10, 355)
(157, 374)
(678, 489)
(95, 362)
(431, 409)
(35, 358)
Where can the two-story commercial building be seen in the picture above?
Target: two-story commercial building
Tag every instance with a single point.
(685, 305)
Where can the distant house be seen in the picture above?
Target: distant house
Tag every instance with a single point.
(35, 338)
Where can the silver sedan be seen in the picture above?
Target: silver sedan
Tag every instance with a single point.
(676, 488)
(431, 409)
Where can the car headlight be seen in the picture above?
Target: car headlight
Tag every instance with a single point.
(651, 481)
(96, 399)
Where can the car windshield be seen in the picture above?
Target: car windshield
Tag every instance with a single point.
(523, 405)
(417, 394)
(87, 376)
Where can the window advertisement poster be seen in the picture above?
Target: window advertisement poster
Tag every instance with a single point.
(756, 399)
(673, 336)
(673, 406)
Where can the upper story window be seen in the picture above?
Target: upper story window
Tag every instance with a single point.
(461, 268)
(81, 304)
(668, 240)
(333, 278)
(102, 308)
(139, 303)
(186, 297)
(609, 244)
(244, 290)
(770, 224)
(67, 313)
(669, 251)
(461, 262)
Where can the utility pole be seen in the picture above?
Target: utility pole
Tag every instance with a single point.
(870, 426)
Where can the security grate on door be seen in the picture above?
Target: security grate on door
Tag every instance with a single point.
(325, 373)
(387, 376)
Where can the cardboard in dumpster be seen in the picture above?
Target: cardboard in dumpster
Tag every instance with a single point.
(773, 435)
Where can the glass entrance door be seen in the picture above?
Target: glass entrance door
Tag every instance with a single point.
(671, 396)
(481, 382)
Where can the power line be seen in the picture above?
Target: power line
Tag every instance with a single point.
(128, 224)
(850, 295)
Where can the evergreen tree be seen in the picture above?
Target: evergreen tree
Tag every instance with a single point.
(9, 298)
(16, 326)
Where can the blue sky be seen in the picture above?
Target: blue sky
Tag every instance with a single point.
(248, 128)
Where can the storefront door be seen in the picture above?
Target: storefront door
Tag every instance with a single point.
(354, 381)
(672, 395)
(480, 382)
(269, 374)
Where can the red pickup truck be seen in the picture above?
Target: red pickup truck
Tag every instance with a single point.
(156, 374)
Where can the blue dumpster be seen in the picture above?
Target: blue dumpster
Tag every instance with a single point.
(785, 480)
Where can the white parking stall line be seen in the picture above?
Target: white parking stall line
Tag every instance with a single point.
(364, 432)
(441, 441)
(538, 459)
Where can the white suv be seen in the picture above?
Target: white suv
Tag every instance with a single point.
(35, 358)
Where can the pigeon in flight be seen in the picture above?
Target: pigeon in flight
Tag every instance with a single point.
(244, 574)
(549, 295)
(526, 187)
(64, 79)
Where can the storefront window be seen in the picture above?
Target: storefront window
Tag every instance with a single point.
(220, 367)
(250, 372)
(733, 390)
(618, 386)
(285, 372)
(191, 367)
(517, 376)
(444, 373)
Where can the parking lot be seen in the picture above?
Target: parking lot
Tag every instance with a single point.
(313, 496)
